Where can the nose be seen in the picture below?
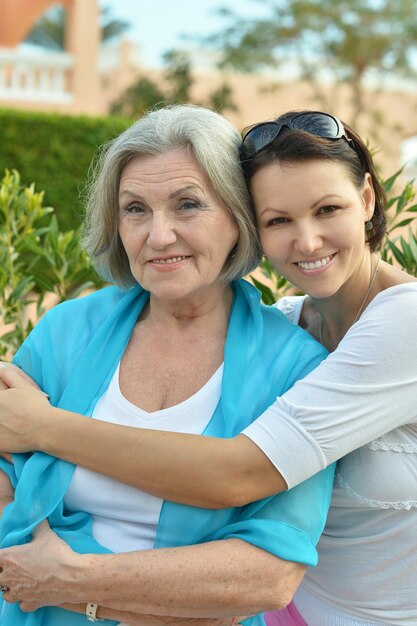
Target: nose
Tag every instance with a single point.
(308, 239)
(162, 231)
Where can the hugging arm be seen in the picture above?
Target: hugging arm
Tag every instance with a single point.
(253, 562)
(363, 390)
(217, 579)
(28, 422)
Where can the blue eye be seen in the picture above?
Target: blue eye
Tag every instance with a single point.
(189, 205)
(325, 210)
(134, 208)
(276, 221)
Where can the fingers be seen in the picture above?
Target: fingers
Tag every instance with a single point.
(10, 378)
(27, 606)
(13, 377)
(7, 456)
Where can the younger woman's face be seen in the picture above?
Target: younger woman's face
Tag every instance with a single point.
(311, 219)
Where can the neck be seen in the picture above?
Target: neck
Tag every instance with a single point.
(338, 313)
(214, 304)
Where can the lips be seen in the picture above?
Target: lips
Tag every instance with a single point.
(173, 259)
(315, 265)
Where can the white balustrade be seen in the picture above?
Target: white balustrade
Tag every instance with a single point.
(35, 76)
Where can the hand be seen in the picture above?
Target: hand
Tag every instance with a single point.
(37, 573)
(14, 368)
(22, 408)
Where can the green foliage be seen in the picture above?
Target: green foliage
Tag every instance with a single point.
(147, 94)
(276, 287)
(401, 243)
(222, 98)
(142, 95)
(345, 40)
(399, 248)
(178, 75)
(49, 30)
(37, 261)
(55, 151)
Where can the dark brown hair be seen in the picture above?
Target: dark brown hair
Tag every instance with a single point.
(299, 145)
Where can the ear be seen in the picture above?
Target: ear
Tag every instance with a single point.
(368, 198)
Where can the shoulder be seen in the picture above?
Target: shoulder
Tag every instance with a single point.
(69, 324)
(397, 296)
(278, 339)
(95, 305)
(393, 309)
(289, 345)
(57, 341)
(291, 306)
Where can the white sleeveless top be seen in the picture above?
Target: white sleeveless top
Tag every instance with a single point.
(125, 518)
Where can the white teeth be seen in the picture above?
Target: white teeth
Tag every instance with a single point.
(314, 265)
(174, 259)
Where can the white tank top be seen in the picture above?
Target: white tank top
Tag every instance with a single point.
(125, 518)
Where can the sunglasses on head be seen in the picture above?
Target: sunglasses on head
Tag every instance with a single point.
(316, 123)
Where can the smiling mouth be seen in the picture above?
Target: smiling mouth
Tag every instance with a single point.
(174, 259)
(315, 265)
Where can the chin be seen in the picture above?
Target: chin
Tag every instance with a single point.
(320, 294)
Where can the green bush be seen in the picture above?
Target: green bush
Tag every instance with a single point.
(39, 264)
(55, 151)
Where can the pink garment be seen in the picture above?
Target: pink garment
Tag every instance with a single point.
(286, 617)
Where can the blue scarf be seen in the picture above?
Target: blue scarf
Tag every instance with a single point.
(72, 354)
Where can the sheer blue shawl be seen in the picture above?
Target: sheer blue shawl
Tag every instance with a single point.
(72, 354)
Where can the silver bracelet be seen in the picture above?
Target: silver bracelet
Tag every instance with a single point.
(91, 612)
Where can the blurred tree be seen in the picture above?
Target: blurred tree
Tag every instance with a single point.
(178, 75)
(145, 93)
(347, 40)
(49, 30)
(142, 95)
(222, 98)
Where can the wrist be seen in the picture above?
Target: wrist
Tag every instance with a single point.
(78, 578)
(54, 430)
(91, 612)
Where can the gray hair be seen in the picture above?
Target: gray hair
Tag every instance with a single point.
(215, 144)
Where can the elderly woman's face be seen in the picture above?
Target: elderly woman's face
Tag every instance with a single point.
(176, 232)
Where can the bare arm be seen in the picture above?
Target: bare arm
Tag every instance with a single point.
(218, 579)
(28, 422)
(6, 489)
(140, 619)
(6, 492)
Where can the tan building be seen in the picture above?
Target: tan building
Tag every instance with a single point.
(65, 81)
(86, 79)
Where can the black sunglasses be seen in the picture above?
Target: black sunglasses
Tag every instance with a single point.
(260, 136)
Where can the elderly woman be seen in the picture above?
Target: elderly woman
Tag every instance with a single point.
(181, 344)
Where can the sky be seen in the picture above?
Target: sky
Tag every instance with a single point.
(157, 25)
